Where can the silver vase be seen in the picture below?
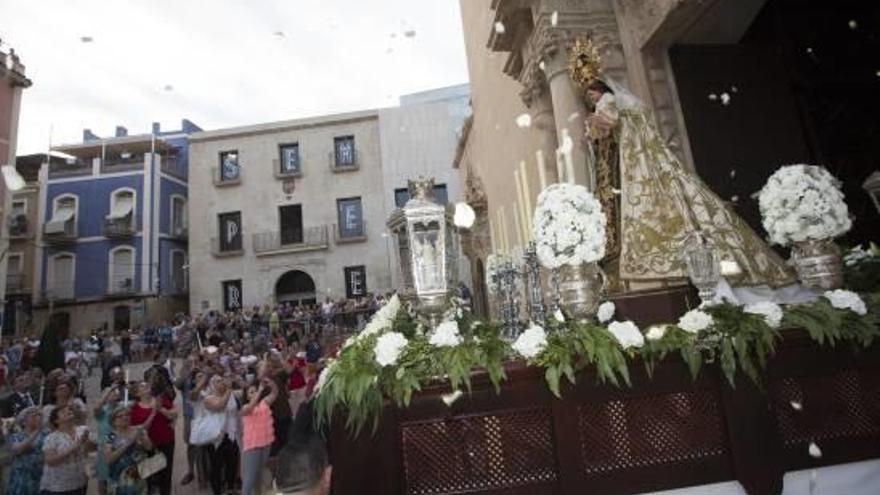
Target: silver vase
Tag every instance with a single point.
(580, 289)
(818, 264)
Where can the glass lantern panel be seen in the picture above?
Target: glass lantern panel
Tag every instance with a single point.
(428, 257)
(404, 261)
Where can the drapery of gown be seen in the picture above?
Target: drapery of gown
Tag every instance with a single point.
(662, 203)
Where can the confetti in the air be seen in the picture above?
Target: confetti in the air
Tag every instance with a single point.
(853, 24)
(86, 39)
(732, 173)
(815, 451)
(499, 27)
(573, 116)
(411, 33)
(797, 406)
(524, 120)
(543, 66)
(713, 97)
(734, 89)
(554, 18)
(734, 198)
(725, 99)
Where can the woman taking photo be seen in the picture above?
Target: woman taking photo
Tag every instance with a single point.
(157, 414)
(64, 455)
(125, 448)
(257, 435)
(27, 452)
(63, 397)
(223, 456)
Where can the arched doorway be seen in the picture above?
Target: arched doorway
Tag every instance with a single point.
(296, 287)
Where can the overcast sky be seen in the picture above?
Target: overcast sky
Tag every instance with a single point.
(221, 63)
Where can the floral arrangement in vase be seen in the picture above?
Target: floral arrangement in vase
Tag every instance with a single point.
(802, 206)
(569, 226)
(803, 203)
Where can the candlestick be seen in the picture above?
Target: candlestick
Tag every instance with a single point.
(527, 194)
(532, 280)
(542, 171)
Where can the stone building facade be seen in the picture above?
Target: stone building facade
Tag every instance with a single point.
(12, 82)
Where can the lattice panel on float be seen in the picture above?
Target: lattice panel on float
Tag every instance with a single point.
(479, 453)
(642, 432)
(826, 407)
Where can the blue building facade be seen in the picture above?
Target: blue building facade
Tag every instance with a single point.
(112, 247)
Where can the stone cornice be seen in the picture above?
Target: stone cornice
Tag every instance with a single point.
(16, 78)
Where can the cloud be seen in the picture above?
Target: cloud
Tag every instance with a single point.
(223, 60)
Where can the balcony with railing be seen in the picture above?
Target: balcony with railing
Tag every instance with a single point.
(18, 226)
(343, 162)
(350, 235)
(179, 232)
(229, 177)
(123, 162)
(15, 283)
(60, 232)
(291, 241)
(60, 291)
(225, 249)
(122, 287)
(70, 168)
(119, 227)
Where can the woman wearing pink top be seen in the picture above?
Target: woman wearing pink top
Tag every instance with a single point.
(257, 436)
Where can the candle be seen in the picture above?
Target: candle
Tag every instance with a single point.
(527, 194)
(517, 221)
(125, 401)
(519, 208)
(567, 146)
(42, 386)
(506, 232)
(199, 338)
(542, 172)
(492, 235)
(560, 171)
(500, 227)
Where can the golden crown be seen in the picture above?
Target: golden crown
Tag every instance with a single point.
(584, 62)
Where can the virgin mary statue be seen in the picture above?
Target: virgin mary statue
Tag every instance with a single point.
(654, 203)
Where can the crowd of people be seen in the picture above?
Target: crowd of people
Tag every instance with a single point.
(240, 382)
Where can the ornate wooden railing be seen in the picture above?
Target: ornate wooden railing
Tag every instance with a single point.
(667, 431)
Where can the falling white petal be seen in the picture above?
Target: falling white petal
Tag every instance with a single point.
(732, 173)
(499, 27)
(14, 181)
(524, 120)
(573, 116)
(734, 89)
(815, 451)
(853, 24)
(543, 66)
(713, 96)
(464, 216)
(86, 39)
(554, 18)
(734, 198)
(410, 33)
(725, 98)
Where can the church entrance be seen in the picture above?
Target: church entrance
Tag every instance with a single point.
(296, 287)
(792, 82)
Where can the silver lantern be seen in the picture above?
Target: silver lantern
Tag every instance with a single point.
(426, 249)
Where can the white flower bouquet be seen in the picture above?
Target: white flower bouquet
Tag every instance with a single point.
(802, 203)
(569, 226)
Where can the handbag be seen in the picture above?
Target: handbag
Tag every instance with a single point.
(151, 465)
(207, 427)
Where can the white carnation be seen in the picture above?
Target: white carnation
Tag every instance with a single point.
(695, 320)
(388, 348)
(445, 335)
(606, 311)
(771, 312)
(844, 299)
(656, 332)
(531, 342)
(627, 334)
